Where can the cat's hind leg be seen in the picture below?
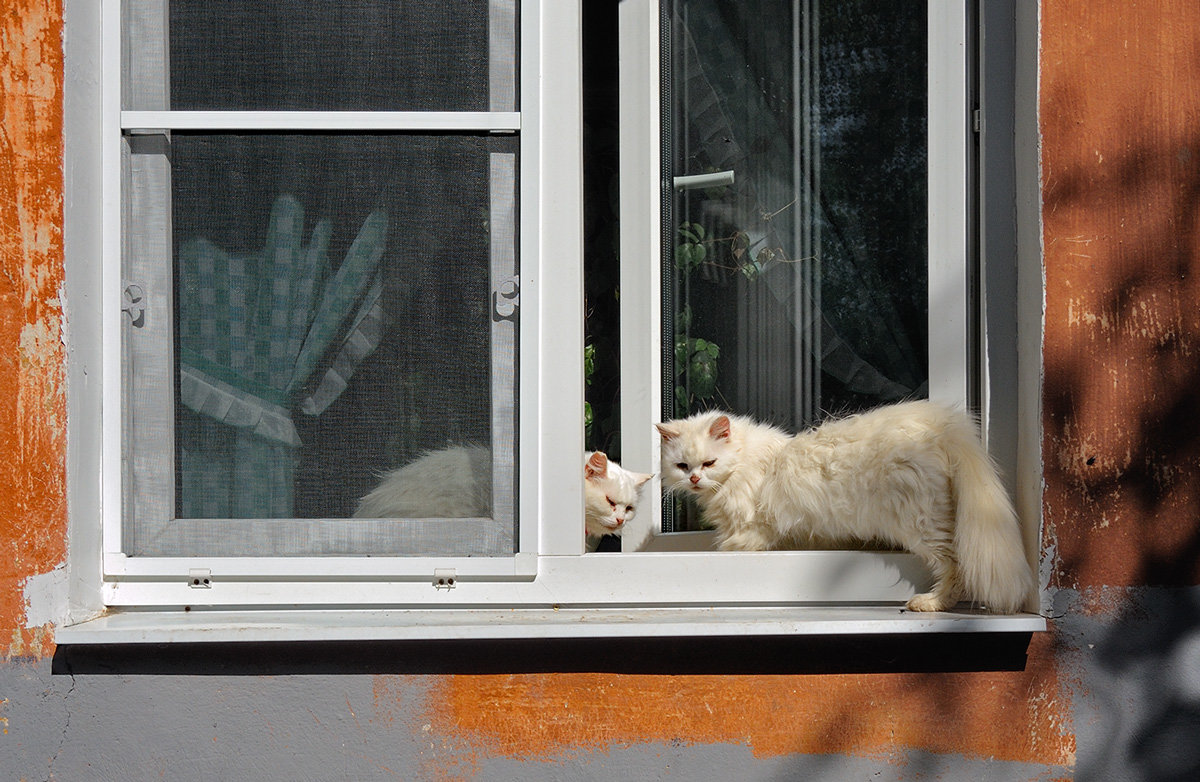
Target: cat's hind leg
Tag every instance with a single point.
(946, 588)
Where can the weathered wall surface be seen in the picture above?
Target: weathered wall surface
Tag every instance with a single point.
(1112, 693)
(1120, 116)
(32, 405)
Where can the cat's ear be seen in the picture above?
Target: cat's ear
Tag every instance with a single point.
(668, 431)
(720, 428)
(597, 466)
(640, 478)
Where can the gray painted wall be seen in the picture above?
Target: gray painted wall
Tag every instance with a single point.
(1130, 664)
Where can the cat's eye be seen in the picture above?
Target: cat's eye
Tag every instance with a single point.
(683, 466)
(629, 509)
(710, 462)
(611, 504)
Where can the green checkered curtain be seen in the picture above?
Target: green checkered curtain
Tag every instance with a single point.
(261, 336)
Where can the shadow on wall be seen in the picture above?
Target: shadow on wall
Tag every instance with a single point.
(1122, 370)
(1120, 118)
(1141, 684)
(978, 695)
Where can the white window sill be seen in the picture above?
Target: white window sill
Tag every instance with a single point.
(223, 626)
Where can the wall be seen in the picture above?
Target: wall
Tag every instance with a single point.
(1113, 692)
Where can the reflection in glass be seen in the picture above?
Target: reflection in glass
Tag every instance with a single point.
(798, 289)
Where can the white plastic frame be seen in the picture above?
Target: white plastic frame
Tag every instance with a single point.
(637, 594)
(642, 173)
(117, 123)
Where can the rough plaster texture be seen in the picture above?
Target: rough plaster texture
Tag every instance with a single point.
(1112, 693)
(32, 407)
(1129, 657)
(1120, 120)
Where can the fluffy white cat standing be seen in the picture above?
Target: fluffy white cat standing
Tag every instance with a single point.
(913, 475)
(610, 494)
(456, 483)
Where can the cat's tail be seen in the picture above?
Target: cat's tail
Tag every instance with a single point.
(987, 536)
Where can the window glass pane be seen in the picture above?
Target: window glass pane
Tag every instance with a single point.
(343, 307)
(801, 286)
(360, 55)
(796, 277)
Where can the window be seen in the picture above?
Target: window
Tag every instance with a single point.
(338, 236)
(318, 259)
(812, 253)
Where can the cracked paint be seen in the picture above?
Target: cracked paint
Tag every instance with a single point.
(32, 411)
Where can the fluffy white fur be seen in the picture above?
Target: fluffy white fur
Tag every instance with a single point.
(456, 483)
(913, 475)
(449, 483)
(610, 494)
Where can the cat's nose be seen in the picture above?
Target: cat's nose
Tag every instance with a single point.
(694, 478)
(620, 521)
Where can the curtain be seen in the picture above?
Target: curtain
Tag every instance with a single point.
(255, 330)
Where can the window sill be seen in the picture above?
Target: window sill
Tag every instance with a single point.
(133, 627)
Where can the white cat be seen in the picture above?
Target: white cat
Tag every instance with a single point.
(610, 494)
(449, 483)
(913, 475)
(456, 483)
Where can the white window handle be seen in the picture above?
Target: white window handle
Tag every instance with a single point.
(715, 179)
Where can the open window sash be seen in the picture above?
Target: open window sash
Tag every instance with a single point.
(681, 62)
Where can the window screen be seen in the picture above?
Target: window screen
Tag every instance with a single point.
(298, 55)
(320, 351)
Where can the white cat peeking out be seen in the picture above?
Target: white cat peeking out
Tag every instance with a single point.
(456, 483)
(610, 494)
(913, 475)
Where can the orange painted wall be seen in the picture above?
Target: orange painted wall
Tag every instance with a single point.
(32, 400)
(1010, 715)
(1120, 117)
(1120, 109)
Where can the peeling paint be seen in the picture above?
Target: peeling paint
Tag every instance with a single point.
(1120, 99)
(32, 413)
(1121, 232)
(46, 598)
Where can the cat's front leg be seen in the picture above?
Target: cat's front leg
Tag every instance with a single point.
(735, 514)
(746, 538)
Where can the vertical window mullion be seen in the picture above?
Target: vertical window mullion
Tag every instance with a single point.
(641, 277)
(948, 202)
(112, 218)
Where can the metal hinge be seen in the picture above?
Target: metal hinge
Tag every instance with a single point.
(977, 120)
(200, 578)
(444, 578)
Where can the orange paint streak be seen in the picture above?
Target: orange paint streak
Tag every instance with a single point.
(32, 407)
(1011, 716)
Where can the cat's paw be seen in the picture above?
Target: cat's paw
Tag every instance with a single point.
(926, 601)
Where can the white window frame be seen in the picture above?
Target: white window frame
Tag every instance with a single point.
(120, 123)
(642, 180)
(553, 588)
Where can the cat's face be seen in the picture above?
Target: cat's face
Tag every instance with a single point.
(611, 495)
(697, 454)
